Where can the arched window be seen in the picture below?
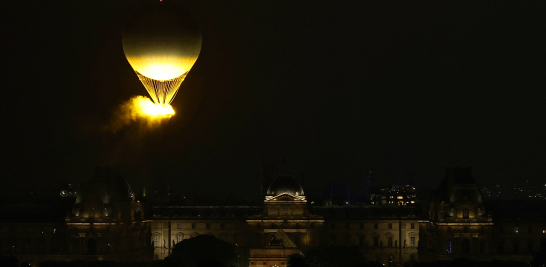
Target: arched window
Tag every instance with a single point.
(466, 213)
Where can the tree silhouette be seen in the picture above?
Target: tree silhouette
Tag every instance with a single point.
(540, 256)
(9, 261)
(296, 260)
(347, 256)
(203, 251)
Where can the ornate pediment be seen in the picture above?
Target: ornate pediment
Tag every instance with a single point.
(285, 197)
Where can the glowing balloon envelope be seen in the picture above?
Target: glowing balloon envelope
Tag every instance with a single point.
(162, 42)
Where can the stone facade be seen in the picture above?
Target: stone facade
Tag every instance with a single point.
(106, 222)
(460, 224)
(388, 234)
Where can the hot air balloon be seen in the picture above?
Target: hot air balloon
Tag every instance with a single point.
(162, 42)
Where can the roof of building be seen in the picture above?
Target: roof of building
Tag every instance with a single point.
(106, 186)
(285, 184)
(460, 178)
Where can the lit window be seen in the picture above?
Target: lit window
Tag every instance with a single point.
(412, 241)
(179, 239)
(156, 241)
(54, 230)
(400, 197)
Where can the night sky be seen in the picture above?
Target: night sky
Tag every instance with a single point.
(334, 90)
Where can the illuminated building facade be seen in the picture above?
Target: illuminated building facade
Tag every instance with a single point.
(388, 234)
(103, 222)
(461, 225)
(395, 195)
(106, 222)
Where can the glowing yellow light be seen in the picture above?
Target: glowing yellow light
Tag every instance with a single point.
(161, 43)
(162, 71)
(161, 91)
(142, 110)
(146, 106)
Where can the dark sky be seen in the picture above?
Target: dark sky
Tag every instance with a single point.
(403, 89)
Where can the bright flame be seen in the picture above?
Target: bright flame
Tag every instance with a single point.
(145, 106)
(141, 110)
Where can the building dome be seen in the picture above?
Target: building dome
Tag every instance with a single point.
(285, 184)
(105, 188)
